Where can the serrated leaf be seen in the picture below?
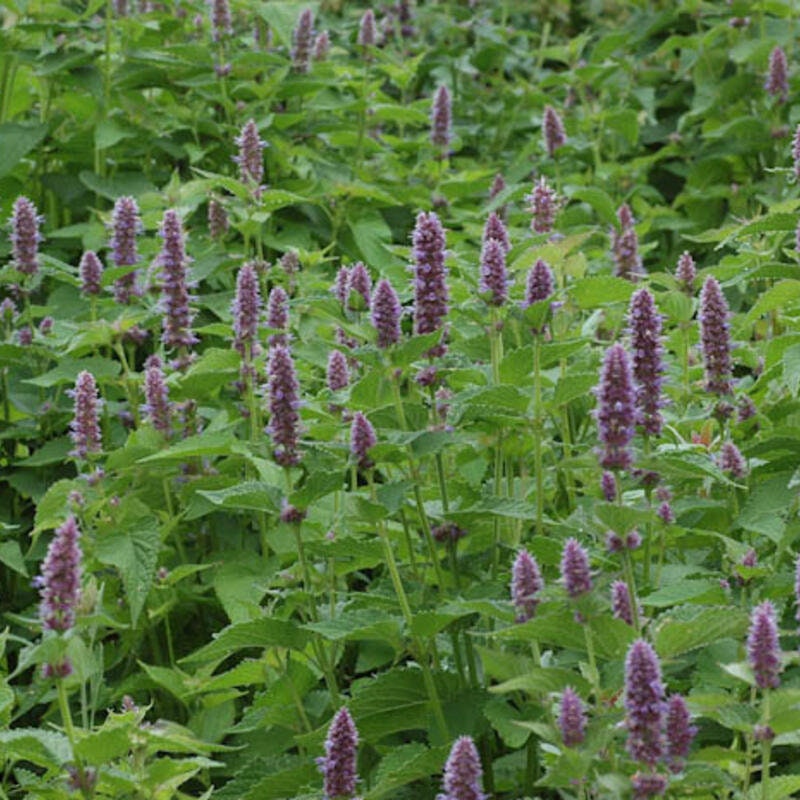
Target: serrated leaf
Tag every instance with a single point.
(392, 702)
(43, 747)
(403, 764)
(248, 496)
(212, 443)
(674, 637)
(600, 201)
(779, 787)
(783, 296)
(543, 680)
(595, 292)
(68, 368)
(365, 623)
(578, 384)
(16, 141)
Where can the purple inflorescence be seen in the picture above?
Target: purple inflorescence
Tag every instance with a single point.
(625, 246)
(644, 704)
(125, 226)
(85, 426)
(220, 20)
(25, 236)
(553, 131)
(575, 573)
(91, 273)
(441, 115)
(644, 323)
(495, 229)
(763, 646)
(366, 29)
(360, 283)
(493, 273)
(246, 310)
(430, 275)
(777, 81)
(608, 485)
(362, 438)
(386, 313)
(157, 406)
(715, 338)
(303, 40)
(543, 206)
(177, 320)
(284, 401)
(680, 732)
(462, 772)
(341, 285)
(617, 409)
(732, 461)
(250, 158)
(339, 764)
(796, 152)
(322, 46)
(526, 583)
(338, 374)
(61, 578)
(621, 602)
(797, 589)
(539, 283)
(278, 314)
(571, 718)
(686, 272)
(217, 219)
(665, 513)
(648, 784)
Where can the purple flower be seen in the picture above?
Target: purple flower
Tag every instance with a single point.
(361, 284)
(539, 285)
(125, 225)
(250, 158)
(366, 29)
(291, 514)
(85, 426)
(462, 772)
(278, 314)
(553, 131)
(338, 375)
(341, 285)
(644, 322)
(621, 602)
(177, 320)
(157, 406)
(625, 246)
(493, 273)
(25, 236)
(447, 533)
(430, 276)
(686, 271)
(283, 391)
(797, 589)
(777, 81)
(747, 408)
(220, 20)
(8, 311)
(440, 119)
(571, 718)
(46, 326)
(246, 310)
(543, 206)
(339, 764)
(303, 39)
(665, 513)
(575, 572)
(91, 273)
(386, 313)
(362, 439)
(614, 544)
(616, 414)
(217, 219)
(526, 583)
(715, 338)
(322, 45)
(61, 578)
(608, 485)
(732, 461)
(633, 540)
(648, 784)
(25, 336)
(644, 704)
(680, 732)
(290, 263)
(763, 647)
(496, 229)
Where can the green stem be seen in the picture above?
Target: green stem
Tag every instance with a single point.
(537, 433)
(594, 675)
(630, 581)
(766, 749)
(69, 729)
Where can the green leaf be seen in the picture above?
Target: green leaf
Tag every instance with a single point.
(682, 591)
(600, 201)
(779, 787)
(121, 183)
(11, 556)
(675, 636)
(578, 384)
(211, 443)
(543, 680)
(16, 141)
(103, 746)
(359, 624)
(595, 292)
(270, 779)
(782, 296)
(68, 368)
(404, 764)
(43, 747)
(248, 496)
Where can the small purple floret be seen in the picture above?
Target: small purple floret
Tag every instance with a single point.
(463, 772)
(91, 273)
(386, 313)
(763, 646)
(85, 426)
(283, 392)
(526, 583)
(25, 236)
(575, 572)
(715, 338)
(61, 578)
(680, 732)
(339, 764)
(617, 411)
(644, 323)
(571, 718)
(644, 704)
(493, 273)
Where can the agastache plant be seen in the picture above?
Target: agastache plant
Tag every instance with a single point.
(553, 131)
(125, 226)
(571, 718)
(617, 409)
(221, 26)
(544, 205)
(763, 646)
(644, 323)
(441, 117)
(385, 314)
(495, 229)
(157, 406)
(283, 392)
(362, 439)
(278, 314)
(715, 338)
(217, 219)
(539, 283)
(359, 287)
(85, 426)
(338, 373)
(246, 310)
(91, 273)
(625, 246)
(575, 573)
(621, 605)
(732, 461)
(366, 30)
(526, 583)
(777, 80)
(303, 40)
(339, 764)
(644, 704)
(250, 158)
(60, 580)
(679, 732)
(493, 273)
(430, 277)
(25, 236)
(177, 319)
(463, 772)
(686, 272)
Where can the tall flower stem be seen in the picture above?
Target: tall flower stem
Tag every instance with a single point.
(594, 675)
(766, 749)
(630, 580)
(496, 353)
(538, 432)
(69, 729)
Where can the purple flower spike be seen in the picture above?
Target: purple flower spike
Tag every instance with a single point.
(341, 286)
(85, 426)
(680, 732)
(61, 578)
(644, 322)
(25, 236)
(553, 131)
(362, 438)
(125, 225)
(177, 320)
(462, 772)
(366, 29)
(621, 602)
(494, 275)
(777, 81)
(322, 46)
(303, 39)
(646, 785)
(221, 26)
(430, 276)
(526, 583)
(283, 391)
(543, 206)
(644, 704)
(571, 718)
(763, 646)
(386, 313)
(797, 589)
(217, 219)
(732, 461)
(338, 374)
(250, 158)
(686, 271)
(575, 572)
(796, 152)
(616, 414)
(361, 284)
(91, 273)
(608, 485)
(715, 338)
(246, 312)
(339, 764)
(625, 246)
(539, 285)
(495, 229)
(157, 406)
(278, 314)
(441, 115)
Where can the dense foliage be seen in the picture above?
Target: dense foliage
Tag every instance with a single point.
(399, 402)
